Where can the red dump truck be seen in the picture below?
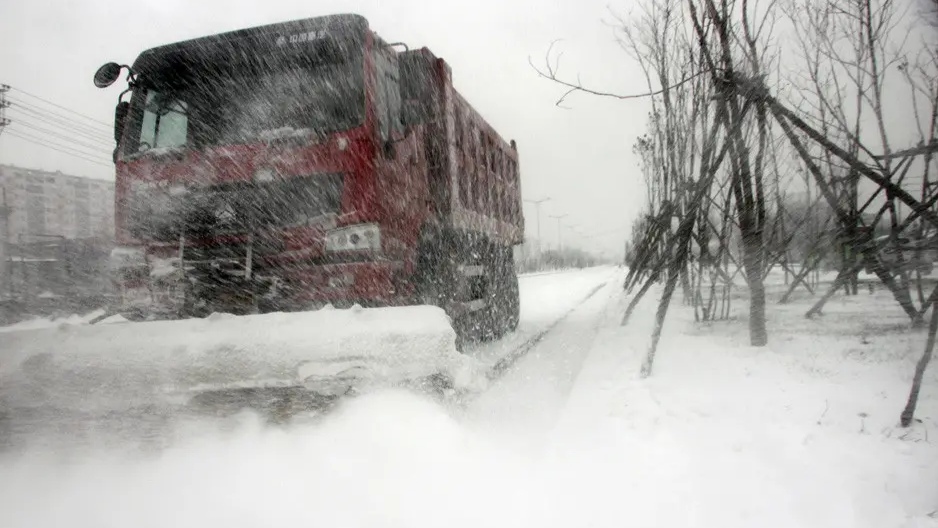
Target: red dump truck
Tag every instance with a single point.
(305, 163)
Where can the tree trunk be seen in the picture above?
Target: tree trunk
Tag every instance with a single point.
(758, 335)
(799, 278)
(652, 279)
(660, 316)
(899, 292)
(909, 412)
(842, 277)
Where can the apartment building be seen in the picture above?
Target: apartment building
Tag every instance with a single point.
(57, 204)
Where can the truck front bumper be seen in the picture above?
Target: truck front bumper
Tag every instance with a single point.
(154, 286)
(368, 283)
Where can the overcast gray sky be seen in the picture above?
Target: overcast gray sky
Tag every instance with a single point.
(581, 158)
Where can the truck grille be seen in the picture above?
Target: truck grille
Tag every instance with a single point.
(231, 256)
(241, 207)
(234, 208)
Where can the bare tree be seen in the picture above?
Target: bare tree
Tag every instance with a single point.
(721, 150)
(850, 50)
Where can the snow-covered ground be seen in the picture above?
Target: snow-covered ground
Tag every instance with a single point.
(545, 375)
(37, 323)
(801, 433)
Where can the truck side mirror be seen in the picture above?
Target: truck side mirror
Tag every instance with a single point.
(107, 74)
(120, 114)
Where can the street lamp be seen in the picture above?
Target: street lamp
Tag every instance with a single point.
(559, 218)
(537, 207)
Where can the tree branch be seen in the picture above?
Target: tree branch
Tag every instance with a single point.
(549, 72)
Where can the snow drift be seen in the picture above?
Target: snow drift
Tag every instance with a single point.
(124, 365)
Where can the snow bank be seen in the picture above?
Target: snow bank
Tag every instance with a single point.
(113, 319)
(132, 363)
(51, 322)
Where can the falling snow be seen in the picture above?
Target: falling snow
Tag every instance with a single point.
(319, 290)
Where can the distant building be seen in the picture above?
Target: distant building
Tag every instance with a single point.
(57, 204)
(58, 233)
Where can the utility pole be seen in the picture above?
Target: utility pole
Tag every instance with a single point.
(559, 219)
(537, 207)
(6, 278)
(4, 88)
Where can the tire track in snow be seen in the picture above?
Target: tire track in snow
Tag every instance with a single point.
(530, 388)
(508, 361)
(501, 367)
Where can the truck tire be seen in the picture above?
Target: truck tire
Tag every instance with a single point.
(504, 310)
(433, 273)
(513, 301)
(435, 280)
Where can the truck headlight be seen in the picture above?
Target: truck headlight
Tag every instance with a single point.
(354, 238)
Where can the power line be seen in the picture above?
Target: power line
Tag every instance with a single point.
(58, 120)
(58, 148)
(98, 148)
(37, 120)
(51, 141)
(61, 107)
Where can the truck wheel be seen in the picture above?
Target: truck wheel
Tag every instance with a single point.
(505, 309)
(513, 302)
(435, 282)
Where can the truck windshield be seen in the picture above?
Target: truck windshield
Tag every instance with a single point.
(322, 99)
(239, 107)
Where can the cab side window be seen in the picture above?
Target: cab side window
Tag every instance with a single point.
(165, 122)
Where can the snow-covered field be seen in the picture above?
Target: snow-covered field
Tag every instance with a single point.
(801, 433)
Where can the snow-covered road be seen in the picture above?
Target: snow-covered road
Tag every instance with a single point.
(524, 402)
(801, 433)
(385, 459)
